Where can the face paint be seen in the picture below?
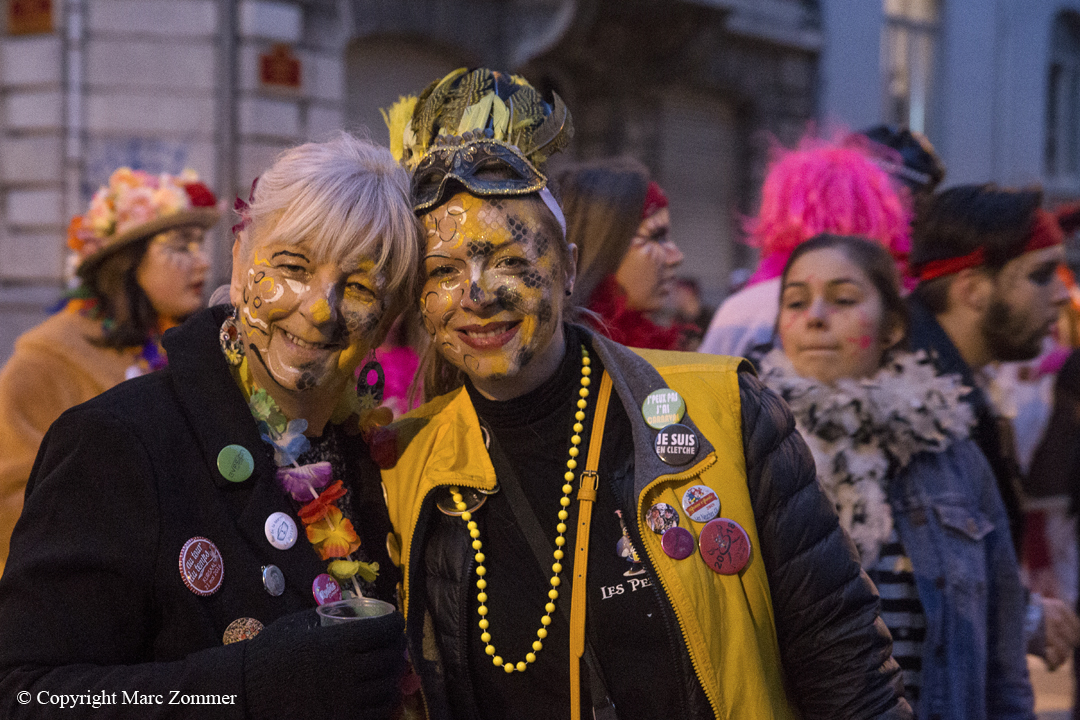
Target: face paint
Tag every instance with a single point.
(1025, 305)
(173, 271)
(307, 323)
(647, 271)
(831, 318)
(493, 288)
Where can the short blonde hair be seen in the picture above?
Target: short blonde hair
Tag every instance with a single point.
(350, 199)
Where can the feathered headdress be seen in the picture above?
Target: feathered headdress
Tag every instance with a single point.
(488, 130)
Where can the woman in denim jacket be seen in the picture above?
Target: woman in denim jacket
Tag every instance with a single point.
(890, 441)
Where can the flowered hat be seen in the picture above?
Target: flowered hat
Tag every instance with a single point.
(136, 205)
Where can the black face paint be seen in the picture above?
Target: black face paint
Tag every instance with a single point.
(479, 248)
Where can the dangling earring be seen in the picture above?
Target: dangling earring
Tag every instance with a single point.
(371, 395)
(231, 344)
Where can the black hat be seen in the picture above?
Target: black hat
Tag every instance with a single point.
(922, 169)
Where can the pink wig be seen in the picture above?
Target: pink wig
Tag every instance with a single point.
(827, 186)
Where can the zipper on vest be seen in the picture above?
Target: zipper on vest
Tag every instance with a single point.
(693, 472)
(414, 557)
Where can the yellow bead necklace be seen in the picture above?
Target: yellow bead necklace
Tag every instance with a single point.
(560, 541)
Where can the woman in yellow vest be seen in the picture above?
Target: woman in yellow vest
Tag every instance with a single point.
(587, 529)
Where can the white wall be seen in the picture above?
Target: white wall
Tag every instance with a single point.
(850, 62)
(989, 105)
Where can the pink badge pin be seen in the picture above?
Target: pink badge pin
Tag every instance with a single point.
(325, 589)
(677, 543)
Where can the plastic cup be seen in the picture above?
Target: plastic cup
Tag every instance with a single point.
(343, 611)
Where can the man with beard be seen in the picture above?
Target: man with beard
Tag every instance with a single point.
(987, 260)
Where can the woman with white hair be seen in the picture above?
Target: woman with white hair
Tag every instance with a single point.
(179, 528)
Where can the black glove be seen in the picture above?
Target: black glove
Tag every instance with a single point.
(294, 668)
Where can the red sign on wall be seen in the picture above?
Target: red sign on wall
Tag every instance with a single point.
(280, 68)
(28, 17)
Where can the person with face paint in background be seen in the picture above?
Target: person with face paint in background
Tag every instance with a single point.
(533, 586)
(180, 529)
(619, 220)
(892, 446)
(139, 259)
(987, 261)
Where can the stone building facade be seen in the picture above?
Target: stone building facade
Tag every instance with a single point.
(695, 89)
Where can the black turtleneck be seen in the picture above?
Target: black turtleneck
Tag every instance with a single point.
(635, 648)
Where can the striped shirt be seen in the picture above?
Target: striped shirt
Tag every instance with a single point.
(901, 611)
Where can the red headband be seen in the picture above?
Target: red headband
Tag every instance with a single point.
(655, 201)
(1045, 232)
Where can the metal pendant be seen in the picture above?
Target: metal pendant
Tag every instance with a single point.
(472, 498)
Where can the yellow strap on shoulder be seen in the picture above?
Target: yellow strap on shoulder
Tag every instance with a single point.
(586, 498)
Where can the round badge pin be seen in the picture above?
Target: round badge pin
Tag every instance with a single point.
(661, 517)
(280, 530)
(241, 629)
(724, 546)
(273, 580)
(701, 503)
(201, 566)
(472, 498)
(235, 463)
(677, 543)
(325, 589)
(676, 444)
(662, 408)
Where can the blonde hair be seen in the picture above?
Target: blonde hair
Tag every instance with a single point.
(349, 199)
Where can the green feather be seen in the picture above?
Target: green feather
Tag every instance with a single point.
(476, 116)
(500, 118)
(430, 105)
(468, 91)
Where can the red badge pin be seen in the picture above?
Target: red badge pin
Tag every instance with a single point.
(201, 566)
(724, 546)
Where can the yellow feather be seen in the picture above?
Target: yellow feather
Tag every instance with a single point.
(475, 116)
(397, 120)
(500, 118)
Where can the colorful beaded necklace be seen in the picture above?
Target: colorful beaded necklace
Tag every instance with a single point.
(560, 540)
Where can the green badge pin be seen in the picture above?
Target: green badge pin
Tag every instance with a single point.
(235, 463)
(662, 408)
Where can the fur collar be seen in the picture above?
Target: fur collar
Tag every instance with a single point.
(863, 432)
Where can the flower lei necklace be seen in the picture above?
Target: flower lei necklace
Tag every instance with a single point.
(328, 530)
(560, 541)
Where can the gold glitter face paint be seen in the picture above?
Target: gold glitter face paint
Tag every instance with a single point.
(493, 283)
(306, 323)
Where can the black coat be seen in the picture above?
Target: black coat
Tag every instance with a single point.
(92, 598)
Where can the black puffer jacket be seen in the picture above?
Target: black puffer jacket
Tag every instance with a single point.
(835, 649)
